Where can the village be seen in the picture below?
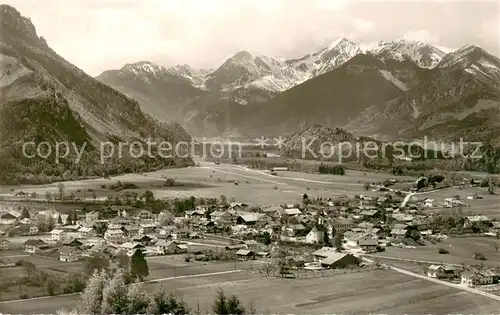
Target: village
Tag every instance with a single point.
(315, 234)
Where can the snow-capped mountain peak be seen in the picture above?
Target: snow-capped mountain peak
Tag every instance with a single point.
(424, 54)
(476, 61)
(143, 66)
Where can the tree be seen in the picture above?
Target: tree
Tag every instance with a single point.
(68, 219)
(94, 196)
(25, 214)
(326, 239)
(223, 199)
(166, 218)
(95, 262)
(163, 303)
(337, 240)
(267, 238)
(366, 186)
(227, 306)
(148, 196)
(59, 220)
(74, 216)
(91, 298)
(50, 286)
(114, 295)
(139, 266)
(60, 188)
(30, 270)
(138, 300)
(100, 227)
(48, 196)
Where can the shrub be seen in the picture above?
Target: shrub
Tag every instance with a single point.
(443, 251)
(479, 256)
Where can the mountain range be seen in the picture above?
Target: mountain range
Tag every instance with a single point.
(398, 90)
(47, 99)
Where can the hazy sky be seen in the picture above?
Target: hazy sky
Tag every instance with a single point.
(97, 35)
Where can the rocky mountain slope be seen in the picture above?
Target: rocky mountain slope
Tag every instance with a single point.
(425, 55)
(459, 98)
(46, 98)
(399, 89)
(242, 80)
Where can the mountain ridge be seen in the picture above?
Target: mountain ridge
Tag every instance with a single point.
(46, 98)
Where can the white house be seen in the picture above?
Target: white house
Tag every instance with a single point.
(130, 248)
(440, 271)
(69, 254)
(429, 203)
(57, 235)
(477, 277)
(113, 235)
(85, 232)
(8, 218)
(4, 244)
(315, 236)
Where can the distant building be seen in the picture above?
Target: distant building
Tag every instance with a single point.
(441, 271)
(477, 277)
(34, 245)
(315, 236)
(85, 232)
(369, 245)
(57, 235)
(113, 235)
(245, 254)
(69, 254)
(4, 244)
(340, 260)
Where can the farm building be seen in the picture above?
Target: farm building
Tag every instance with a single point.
(245, 254)
(167, 247)
(34, 245)
(477, 277)
(340, 260)
(369, 245)
(441, 271)
(69, 254)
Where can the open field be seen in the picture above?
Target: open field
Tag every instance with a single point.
(254, 187)
(461, 251)
(489, 205)
(380, 291)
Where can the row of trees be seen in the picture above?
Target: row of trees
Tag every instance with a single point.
(107, 292)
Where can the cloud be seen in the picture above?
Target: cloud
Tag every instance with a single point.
(423, 36)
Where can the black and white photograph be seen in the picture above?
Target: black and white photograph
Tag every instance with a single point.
(249, 157)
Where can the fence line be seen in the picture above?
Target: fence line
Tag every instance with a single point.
(305, 274)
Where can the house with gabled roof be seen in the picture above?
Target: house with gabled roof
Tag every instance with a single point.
(86, 232)
(315, 236)
(248, 218)
(57, 235)
(441, 271)
(34, 245)
(4, 243)
(69, 254)
(245, 254)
